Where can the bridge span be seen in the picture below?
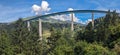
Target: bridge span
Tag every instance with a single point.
(69, 12)
(64, 12)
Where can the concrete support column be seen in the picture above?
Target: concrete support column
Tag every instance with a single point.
(28, 25)
(72, 22)
(92, 20)
(40, 29)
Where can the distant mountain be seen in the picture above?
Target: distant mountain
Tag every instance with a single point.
(47, 24)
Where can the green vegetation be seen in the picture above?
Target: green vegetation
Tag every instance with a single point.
(104, 39)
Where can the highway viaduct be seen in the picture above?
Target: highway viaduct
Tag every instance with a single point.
(92, 12)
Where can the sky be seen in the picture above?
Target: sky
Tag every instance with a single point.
(11, 10)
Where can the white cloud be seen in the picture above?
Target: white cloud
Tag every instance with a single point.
(82, 22)
(85, 22)
(66, 17)
(70, 9)
(36, 8)
(42, 8)
(61, 17)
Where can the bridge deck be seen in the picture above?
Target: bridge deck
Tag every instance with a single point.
(67, 12)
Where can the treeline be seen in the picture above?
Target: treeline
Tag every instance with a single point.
(106, 32)
(15, 39)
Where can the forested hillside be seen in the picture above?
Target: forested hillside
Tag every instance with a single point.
(104, 39)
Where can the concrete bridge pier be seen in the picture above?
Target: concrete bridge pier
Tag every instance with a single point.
(72, 25)
(92, 20)
(40, 35)
(28, 25)
(72, 22)
(40, 29)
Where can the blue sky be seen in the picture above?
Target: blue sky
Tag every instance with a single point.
(11, 10)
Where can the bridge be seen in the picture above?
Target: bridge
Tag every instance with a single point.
(65, 12)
